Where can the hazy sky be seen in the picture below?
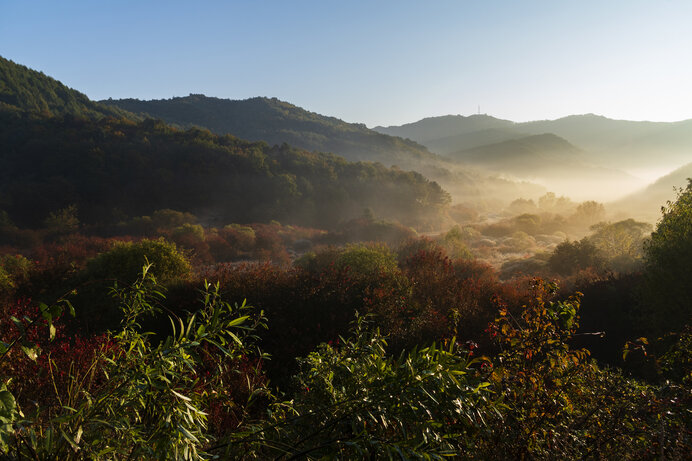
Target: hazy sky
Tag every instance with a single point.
(376, 62)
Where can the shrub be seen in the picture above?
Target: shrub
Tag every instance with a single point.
(119, 265)
(122, 261)
(139, 399)
(354, 401)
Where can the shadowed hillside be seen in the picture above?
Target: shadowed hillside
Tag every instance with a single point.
(276, 122)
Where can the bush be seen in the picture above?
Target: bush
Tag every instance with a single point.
(357, 402)
(119, 265)
(122, 261)
(361, 261)
(571, 257)
(132, 397)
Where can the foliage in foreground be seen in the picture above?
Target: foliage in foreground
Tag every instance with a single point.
(537, 399)
(139, 398)
(355, 401)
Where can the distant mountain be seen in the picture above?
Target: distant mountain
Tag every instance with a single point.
(646, 203)
(26, 90)
(450, 133)
(522, 156)
(548, 160)
(623, 143)
(277, 122)
(620, 144)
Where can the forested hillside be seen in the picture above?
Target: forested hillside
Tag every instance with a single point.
(276, 122)
(24, 89)
(113, 168)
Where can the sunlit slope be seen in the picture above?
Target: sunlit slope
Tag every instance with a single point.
(549, 160)
(24, 89)
(646, 203)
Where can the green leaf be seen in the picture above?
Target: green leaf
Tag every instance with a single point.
(72, 443)
(181, 395)
(7, 400)
(31, 352)
(188, 434)
(238, 321)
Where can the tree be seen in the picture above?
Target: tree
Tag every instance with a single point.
(570, 257)
(588, 213)
(668, 291)
(621, 242)
(63, 220)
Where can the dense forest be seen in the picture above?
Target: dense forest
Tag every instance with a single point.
(24, 89)
(112, 168)
(171, 293)
(276, 122)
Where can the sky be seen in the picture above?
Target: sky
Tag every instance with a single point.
(375, 62)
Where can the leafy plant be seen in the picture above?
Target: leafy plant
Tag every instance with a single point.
(150, 399)
(353, 400)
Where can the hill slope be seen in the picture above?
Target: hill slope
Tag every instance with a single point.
(115, 167)
(646, 203)
(549, 160)
(522, 155)
(24, 89)
(276, 122)
(58, 148)
(450, 133)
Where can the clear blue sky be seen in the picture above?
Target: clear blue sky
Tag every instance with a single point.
(376, 62)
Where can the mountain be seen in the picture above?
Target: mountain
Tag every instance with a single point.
(549, 160)
(450, 133)
(522, 156)
(646, 203)
(621, 144)
(24, 89)
(59, 149)
(277, 122)
(116, 168)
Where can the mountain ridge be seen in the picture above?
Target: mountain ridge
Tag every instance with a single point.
(275, 122)
(26, 90)
(605, 141)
